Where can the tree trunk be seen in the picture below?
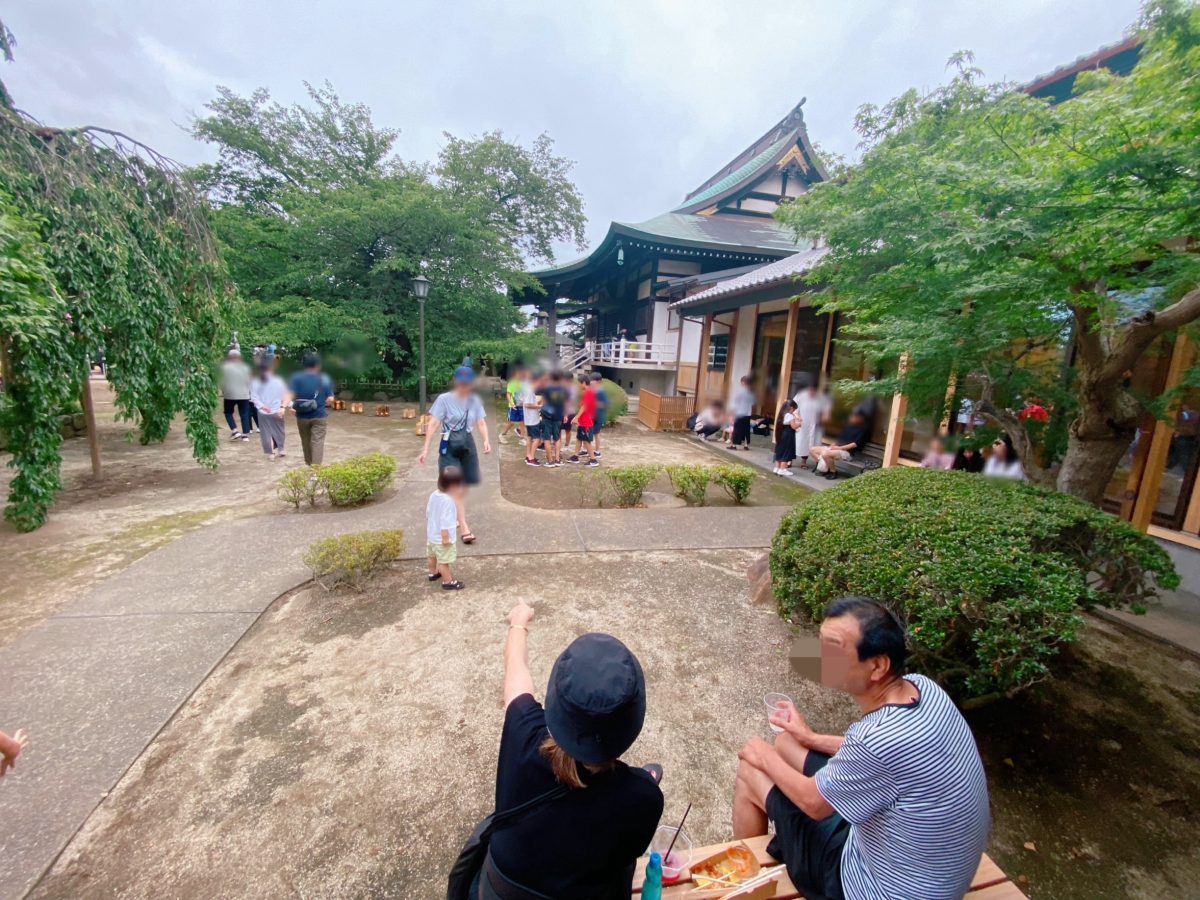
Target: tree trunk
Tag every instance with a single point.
(1100, 435)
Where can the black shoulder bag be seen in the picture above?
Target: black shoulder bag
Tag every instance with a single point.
(474, 851)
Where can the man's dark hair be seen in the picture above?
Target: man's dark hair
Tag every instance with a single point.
(451, 476)
(597, 378)
(882, 633)
(311, 359)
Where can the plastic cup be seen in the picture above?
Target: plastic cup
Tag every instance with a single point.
(675, 866)
(773, 703)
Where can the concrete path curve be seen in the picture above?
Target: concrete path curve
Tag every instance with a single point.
(95, 683)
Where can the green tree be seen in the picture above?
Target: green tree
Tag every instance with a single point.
(524, 193)
(102, 244)
(267, 150)
(324, 251)
(984, 230)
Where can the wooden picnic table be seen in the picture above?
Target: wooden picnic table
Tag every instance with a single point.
(989, 883)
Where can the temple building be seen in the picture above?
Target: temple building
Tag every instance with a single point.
(680, 307)
(724, 227)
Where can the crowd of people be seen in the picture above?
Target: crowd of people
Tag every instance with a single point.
(545, 406)
(798, 433)
(261, 399)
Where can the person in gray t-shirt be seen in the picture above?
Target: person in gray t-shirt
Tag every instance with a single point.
(235, 390)
(741, 407)
(452, 419)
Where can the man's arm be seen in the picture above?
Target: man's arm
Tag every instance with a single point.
(481, 424)
(796, 725)
(517, 678)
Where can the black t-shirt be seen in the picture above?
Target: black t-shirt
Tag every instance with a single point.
(554, 401)
(858, 435)
(579, 847)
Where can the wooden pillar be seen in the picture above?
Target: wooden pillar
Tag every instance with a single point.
(702, 363)
(1160, 444)
(789, 350)
(89, 413)
(895, 429)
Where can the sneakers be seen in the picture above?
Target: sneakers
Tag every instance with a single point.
(433, 576)
(245, 438)
(597, 455)
(235, 435)
(455, 585)
(534, 462)
(593, 463)
(574, 460)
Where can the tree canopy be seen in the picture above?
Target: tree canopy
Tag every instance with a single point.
(103, 244)
(984, 231)
(323, 228)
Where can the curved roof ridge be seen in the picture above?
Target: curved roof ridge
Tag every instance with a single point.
(749, 169)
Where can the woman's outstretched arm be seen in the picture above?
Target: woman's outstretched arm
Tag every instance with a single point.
(517, 678)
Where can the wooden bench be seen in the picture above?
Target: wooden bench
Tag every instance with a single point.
(989, 883)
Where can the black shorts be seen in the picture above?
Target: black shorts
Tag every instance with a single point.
(466, 457)
(585, 435)
(811, 850)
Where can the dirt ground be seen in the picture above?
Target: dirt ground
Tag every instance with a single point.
(148, 497)
(1099, 770)
(347, 745)
(627, 444)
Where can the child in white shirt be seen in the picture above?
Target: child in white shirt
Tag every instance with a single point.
(441, 527)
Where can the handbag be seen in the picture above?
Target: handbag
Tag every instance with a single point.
(470, 859)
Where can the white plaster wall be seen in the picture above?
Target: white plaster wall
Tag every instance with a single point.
(658, 325)
(689, 348)
(743, 346)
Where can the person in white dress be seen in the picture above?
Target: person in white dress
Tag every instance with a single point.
(812, 409)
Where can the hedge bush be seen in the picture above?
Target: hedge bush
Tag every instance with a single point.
(989, 576)
(356, 479)
(352, 558)
(618, 402)
(298, 485)
(691, 480)
(737, 480)
(626, 484)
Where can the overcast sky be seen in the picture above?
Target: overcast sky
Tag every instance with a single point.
(649, 97)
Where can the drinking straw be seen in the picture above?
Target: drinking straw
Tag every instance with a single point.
(667, 855)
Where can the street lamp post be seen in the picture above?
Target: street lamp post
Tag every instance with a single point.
(420, 289)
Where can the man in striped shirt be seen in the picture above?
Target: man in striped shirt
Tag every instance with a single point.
(895, 809)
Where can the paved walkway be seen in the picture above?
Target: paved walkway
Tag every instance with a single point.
(95, 683)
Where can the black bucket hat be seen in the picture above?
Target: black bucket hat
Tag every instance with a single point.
(596, 699)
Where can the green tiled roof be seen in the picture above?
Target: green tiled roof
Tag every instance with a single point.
(741, 174)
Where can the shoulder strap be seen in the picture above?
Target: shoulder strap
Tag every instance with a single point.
(509, 817)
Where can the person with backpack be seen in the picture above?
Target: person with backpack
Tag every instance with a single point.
(586, 815)
(454, 416)
(311, 390)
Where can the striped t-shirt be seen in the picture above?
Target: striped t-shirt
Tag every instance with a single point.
(909, 780)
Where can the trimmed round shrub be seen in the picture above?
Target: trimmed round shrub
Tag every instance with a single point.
(352, 558)
(299, 485)
(988, 576)
(356, 479)
(618, 401)
(691, 480)
(628, 483)
(736, 480)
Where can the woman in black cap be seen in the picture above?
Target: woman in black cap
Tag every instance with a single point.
(582, 845)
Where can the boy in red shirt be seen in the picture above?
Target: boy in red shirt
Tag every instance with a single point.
(585, 423)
